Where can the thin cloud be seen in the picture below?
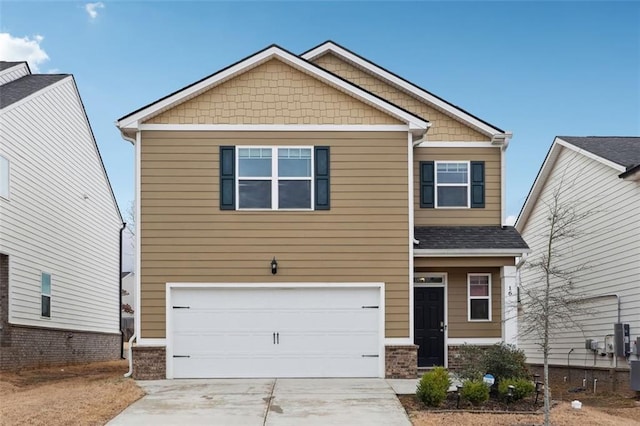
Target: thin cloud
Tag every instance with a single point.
(23, 49)
(92, 9)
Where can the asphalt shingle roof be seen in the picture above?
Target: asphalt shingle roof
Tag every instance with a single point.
(6, 65)
(468, 237)
(624, 151)
(19, 89)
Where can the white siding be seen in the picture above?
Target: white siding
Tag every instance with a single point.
(609, 245)
(60, 218)
(13, 73)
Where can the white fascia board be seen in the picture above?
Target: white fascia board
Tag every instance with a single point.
(469, 252)
(36, 94)
(278, 127)
(591, 155)
(457, 144)
(398, 82)
(475, 341)
(274, 52)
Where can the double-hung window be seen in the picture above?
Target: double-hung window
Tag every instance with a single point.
(45, 295)
(452, 184)
(479, 297)
(275, 178)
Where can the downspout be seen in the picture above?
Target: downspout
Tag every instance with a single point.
(124, 225)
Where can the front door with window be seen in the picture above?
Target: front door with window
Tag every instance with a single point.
(429, 325)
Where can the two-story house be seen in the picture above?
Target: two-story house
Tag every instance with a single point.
(59, 227)
(316, 216)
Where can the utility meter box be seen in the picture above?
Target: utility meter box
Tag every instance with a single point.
(622, 339)
(587, 344)
(634, 374)
(609, 345)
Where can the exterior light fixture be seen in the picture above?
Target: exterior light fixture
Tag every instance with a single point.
(274, 266)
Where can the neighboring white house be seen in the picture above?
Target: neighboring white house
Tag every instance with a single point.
(601, 176)
(59, 227)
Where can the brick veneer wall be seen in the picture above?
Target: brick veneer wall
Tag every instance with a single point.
(36, 347)
(454, 357)
(149, 363)
(609, 379)
(401, 362)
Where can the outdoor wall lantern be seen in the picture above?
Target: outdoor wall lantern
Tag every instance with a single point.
(274, 266)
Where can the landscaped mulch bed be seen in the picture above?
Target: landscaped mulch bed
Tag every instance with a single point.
(526, 405)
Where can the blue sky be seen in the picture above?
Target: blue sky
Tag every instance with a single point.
(535, 68)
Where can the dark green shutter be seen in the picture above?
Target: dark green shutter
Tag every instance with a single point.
(322, 170)
(227, 177)
(477, 184)
(427, 184)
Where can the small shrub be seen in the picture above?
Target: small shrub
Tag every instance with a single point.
(475, 391)
(522, 388)
(433, 386)
(505, 361)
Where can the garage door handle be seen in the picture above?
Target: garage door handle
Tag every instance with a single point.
(278, 338)
(274, 338)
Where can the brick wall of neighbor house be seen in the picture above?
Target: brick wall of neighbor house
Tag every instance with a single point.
(401, 362)
(609, 379)
(36, 347)
(4, 301)
(149, 363)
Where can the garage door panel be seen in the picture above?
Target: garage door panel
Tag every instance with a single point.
(275, 332)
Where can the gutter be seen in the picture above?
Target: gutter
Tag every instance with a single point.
(124, 225)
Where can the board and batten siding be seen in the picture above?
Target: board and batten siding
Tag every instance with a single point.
(458, 324)
(609, 247)
(60, 217)
(443, 127)
(490, 214)
(187, 238)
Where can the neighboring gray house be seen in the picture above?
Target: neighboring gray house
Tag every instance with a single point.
(599, 175)
(59, 227)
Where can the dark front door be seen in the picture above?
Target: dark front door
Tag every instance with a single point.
(429, 325)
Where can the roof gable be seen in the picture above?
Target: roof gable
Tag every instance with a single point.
(404, 85)
(601, 149)
(273, 93)
(26, 86)
(132, 120)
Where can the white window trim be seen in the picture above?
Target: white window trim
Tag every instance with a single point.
(469, 275)
(8, 178)
(42, 274)
(436, 184)
(274, 176)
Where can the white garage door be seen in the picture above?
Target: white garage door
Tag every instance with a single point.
(275, 332)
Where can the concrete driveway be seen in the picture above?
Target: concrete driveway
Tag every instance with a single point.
(260, 402)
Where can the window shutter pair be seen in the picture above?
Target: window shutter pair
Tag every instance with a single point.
(427, 184)
(228, 178)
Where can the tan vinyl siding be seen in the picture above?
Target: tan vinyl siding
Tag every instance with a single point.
(450, 262)
(491, 214)
(443, 127)
(187, 238)
(273, 93)
(457, 315)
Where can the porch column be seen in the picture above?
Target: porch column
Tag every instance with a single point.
(509, 305)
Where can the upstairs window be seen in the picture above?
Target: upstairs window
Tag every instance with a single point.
(4, 177)
(452, 184)
(45, 296)
(275, 178)
(479, 292)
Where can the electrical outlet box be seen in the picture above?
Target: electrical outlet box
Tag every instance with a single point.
(609, 344)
